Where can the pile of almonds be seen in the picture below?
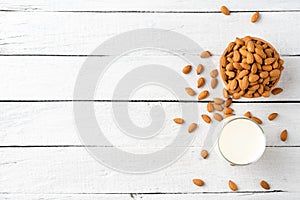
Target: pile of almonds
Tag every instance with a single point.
(250, 67)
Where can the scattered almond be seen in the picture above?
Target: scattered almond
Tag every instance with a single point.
(232, 185)
(227, 111)
(203, 95)
(204, 154)
(214, 73)
(256, 119)
(214, 83)
(205, 54)
(190, 91)
(218, 107)
(192, 127)
(206, 118)
(225, 93)
(218, 117)
(198, 182)
(255, 17)
(248, 114)
(284, 135)
(225, 10)
(277, 91)
(218, 101)
(199, 69)
(228, 102)
(210, 107)
(187, 69)
(200, 82)
(178, 120)
(272, 116)
(229, 115)
(265, 185)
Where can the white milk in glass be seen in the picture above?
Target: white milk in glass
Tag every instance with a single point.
(241, 141)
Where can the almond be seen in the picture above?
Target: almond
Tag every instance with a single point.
(284, 135)
(198, 182)
(260, 52)
(228, 102)
(264, 74)
(218, 107)
(214, 73)
(206, 118)
(203, 95)
(233, 84)
(205, 54)
(242, 74)
(236, 96)
(248, 114)
(227, 111)
(269, 61)
(265, 185)
(256, 119)
(225, 93)
(225, 10)
(190, 91)
(223, 61)
(277, 91)
(257, 58)
(218, 117)
(187, 69)
(232, 185)
(253, 78)
(236, 56)
(255, 17)
(200, 82)
(210, 107)
(267, 67)
(192, 127)
(199, 69)
(250, 58)
(245, 66)
(272, 116)
(229, 115)
(218, 101)
(204, 154)
(214, 83)
(230, 74)
(275, 73)
(250, 46)
(244, 83)
(266, 94)
(178, 120)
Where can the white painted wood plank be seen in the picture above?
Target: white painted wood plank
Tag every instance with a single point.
(143, 5)
(80, 33)
(54, 78)
(259, 196)
(53, 123)
(73, 170)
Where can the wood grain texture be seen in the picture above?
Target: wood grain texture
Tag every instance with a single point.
(52, 124)
(73, 170)
(81, 33)
(143, 5)
(54, 78)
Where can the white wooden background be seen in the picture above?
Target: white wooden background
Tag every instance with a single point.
(43, 44)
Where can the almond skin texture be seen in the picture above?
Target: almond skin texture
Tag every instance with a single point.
(210, 107)
(198, 182)
(200, 82)
(206, 118)
(190, 91)
(277, 91)
(225, 93)
(232, 185)
(178, 120)
(255, 17)
(187, 69)
(199, 69)
(272, 116)
(265, 185)
(225, 10)
(204, 154)
(227, 111)
(284, 135)
(192, 127)
(203, 95)
(218, 107)
(256, 119)
(205, 54)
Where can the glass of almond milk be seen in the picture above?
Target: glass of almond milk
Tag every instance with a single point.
(241, 141)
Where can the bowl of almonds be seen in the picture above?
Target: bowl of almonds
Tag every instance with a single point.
(250, 67)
